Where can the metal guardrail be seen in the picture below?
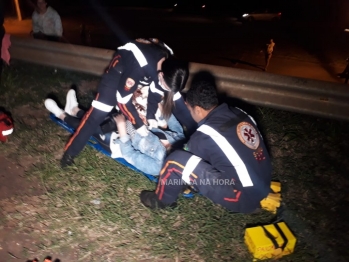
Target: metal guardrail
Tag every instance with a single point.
(320, 98)
(314, 97)
(61, 55)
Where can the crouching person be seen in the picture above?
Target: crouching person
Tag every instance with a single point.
(226, 159)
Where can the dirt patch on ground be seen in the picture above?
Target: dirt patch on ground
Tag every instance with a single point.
(21, 199)
(30, 115)
(13, 181)
(23, 195)
(14, 184)
(85, 87)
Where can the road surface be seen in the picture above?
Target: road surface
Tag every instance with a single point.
(218, 41)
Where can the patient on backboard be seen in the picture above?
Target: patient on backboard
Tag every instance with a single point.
(118, 136)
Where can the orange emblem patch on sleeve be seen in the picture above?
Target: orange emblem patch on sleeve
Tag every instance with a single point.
(248, 135)
(129, 84)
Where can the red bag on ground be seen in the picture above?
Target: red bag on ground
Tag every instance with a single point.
(6, 126)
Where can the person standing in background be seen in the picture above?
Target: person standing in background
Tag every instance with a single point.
(345, 73)
(268, 53)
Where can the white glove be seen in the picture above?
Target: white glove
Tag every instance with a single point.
(143, 130)
(152, 123)
(162, 123)
(115, 146)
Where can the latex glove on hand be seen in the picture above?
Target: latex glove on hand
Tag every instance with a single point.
(143, 130)
(152, 124)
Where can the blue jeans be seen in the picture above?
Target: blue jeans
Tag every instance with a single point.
(144, 153)
(148, 153)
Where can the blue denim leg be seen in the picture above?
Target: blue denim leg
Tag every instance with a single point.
(174, 132)
(147, 153)
(144, 153)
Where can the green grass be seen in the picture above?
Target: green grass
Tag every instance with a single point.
(309, 158)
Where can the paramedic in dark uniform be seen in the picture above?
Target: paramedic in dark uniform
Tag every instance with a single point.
(134, 64)
(226, 159)
(173, 75)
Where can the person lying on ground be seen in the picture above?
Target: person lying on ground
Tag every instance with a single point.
(145, 153)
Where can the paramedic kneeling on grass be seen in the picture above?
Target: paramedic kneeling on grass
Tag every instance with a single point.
(226, 159)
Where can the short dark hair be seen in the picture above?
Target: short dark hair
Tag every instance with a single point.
(203, 94)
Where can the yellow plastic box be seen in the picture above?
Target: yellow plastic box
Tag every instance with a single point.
(275, 186)
(262, 247)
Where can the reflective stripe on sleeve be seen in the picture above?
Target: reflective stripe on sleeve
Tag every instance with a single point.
(101, 106)
(168, 48)
(153, 89)
(252, 119)
(136, 52)
(7, 132)
(189, 168)
(177, 96)
(123, 100)
(230, 153)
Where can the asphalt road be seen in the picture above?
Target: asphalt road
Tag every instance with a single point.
(301, 49)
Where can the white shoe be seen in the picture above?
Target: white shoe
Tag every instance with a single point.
(52, 106)
(71, 102)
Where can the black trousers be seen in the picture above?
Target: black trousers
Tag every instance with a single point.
(181, 112)
(74, 122)
(94, 117)
(182, 168)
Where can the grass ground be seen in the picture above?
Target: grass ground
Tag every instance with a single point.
(91, 211)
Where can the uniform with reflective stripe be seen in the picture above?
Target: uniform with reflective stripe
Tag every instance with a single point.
(134, 61)
(230, 153)
(222, 148)
(219, 165)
